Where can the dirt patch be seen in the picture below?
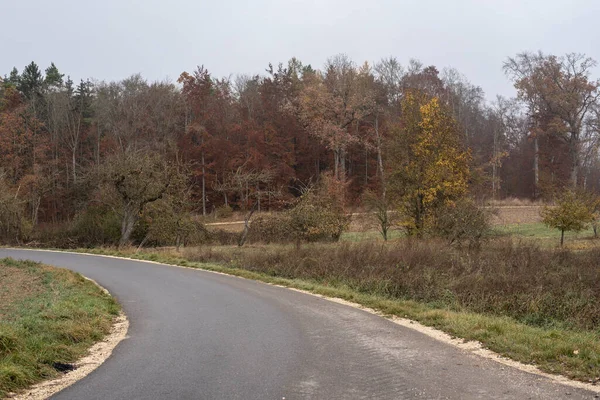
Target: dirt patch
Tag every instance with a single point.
(507, 215)
(16, 285)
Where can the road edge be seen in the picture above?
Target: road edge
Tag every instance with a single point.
(473, 347)
(98, 353)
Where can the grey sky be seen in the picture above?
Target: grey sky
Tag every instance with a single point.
(112, 39)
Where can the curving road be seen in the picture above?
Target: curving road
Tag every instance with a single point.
(200, 335)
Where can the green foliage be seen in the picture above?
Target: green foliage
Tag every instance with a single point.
(31, 81)
(316, 219)
(97, 225)
(462, 221)
(224, 211)
(571, 213)
(54, 78)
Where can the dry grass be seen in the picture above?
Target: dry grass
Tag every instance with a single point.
(508, 215)
(510, 212)
(532, 305)
(16, 285)
(535, 286)
(515, 202)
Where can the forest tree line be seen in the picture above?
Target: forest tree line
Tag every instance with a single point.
(205, 143)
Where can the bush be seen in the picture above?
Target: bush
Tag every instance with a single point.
(379, 208)
(224, 212)
(572, 213)
(275, 228)
(462, 221)
(223, 237)
(168, 222)
(316, 218)
(97, 225)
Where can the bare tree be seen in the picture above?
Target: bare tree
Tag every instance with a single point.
(560, 94)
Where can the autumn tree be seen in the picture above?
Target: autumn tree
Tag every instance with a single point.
(560, 94)
(330, 103)
(571, 213)
(13, 223)
(199, 93)
(429, 166)
(138, 179)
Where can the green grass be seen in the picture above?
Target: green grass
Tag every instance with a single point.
(370, 235)
(540, 231)
(558, 349)
(47, 316)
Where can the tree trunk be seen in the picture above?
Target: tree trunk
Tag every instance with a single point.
(244, 234)
(494, 164)
(142, 243)
(574, 164)
(366, 166)
(419, 215)
(536, 167)
(127, 224)
(379, 157)
(97, 144)
(203, 185)
(336, 163)
(562, 237)
(258, 195)
(342, 169)
(73, 165)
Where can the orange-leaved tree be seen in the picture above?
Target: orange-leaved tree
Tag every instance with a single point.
(430, 168)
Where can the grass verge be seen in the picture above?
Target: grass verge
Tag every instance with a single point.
(49, 317)
(556, 348)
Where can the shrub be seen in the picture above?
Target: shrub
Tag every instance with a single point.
(97, 225)
(224, 211)
(317, 218)
(168, 222)
(274, 228)
(379, 208)
(462, 221)
(318, 215)
(571, 213)
(223, 237)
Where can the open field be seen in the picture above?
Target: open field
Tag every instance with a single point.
(506, 215)
(49, 317)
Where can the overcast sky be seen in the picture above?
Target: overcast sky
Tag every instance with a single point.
(112, 39)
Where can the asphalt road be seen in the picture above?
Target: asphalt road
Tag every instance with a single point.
(200, 335)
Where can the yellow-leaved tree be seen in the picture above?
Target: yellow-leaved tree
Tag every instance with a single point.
(430, 167)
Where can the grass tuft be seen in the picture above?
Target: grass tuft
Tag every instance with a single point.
(48, 317)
